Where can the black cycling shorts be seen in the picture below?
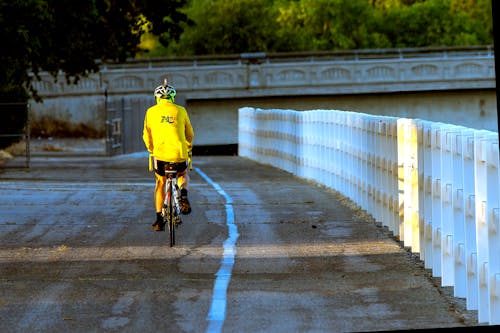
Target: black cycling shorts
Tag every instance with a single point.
(161, 166)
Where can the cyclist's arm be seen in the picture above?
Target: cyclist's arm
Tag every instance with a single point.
(190, 160)
(146, 136)
(189, 132)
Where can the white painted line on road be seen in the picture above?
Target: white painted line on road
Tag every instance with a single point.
(217, 312)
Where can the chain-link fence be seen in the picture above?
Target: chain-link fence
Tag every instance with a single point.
(15, 130)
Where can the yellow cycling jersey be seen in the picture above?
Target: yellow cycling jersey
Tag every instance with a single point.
(168, 134)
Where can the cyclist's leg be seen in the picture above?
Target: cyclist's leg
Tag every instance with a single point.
(160, 192)
(183, 179)
(159, 195)
(183, 183)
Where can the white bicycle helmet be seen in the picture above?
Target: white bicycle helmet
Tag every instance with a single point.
(165, 91)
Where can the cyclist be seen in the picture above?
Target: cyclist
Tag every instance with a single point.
(168, 136)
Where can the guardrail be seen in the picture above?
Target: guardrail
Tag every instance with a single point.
(435, 186)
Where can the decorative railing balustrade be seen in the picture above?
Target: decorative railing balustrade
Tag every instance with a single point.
(286, 74)
(434, 186)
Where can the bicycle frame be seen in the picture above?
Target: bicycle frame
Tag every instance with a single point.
(171, 208)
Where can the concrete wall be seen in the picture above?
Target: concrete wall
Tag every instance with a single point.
(88, 110)
(216, 121)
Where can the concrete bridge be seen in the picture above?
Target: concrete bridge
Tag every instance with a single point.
(455, 85)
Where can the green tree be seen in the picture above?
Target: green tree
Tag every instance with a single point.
(226, 26)
(17, 18)
(72, 36)
(164, 19)
(438, 23)
(233, 26)
(478, 14)
(340, 24)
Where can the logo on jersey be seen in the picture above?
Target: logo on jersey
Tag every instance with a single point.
(168, 119)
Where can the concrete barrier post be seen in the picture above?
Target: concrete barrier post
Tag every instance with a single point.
(295, 138)
(281, 127)
(291, 140)
(447, 224)
(427, 194)
(436, 198)
(361, 159)
(408, 165)
(379, 178)
(394, 178)
(373, 168)
(347, 152)
(392, 165)
(258, 133)
(268, 136)
(311, 169)
(472, 283)
(334, 166)
(246, 131)
(485, 182)
(420, 175)
(349, 149)
(301, 132)
(364, 155)
(340, 148)
(384, 172)
(323, 156)
(329, 146)
(401, 133)
(493, 211)
(460, 273)
(353, 153)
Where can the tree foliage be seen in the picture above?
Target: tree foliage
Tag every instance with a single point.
(216, 27)
(72, 36)
(236, 26)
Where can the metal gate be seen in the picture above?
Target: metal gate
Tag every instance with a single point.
(124, 125)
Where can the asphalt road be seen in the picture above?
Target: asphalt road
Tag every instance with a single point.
(262, 251)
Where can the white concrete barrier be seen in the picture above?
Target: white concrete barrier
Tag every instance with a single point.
(435, 186)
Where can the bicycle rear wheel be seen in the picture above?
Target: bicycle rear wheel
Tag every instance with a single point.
(170, 219)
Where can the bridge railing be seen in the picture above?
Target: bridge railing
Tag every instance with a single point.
(284, 74)
(435, 186)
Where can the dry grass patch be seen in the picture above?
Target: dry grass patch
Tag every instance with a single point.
(4, 156)
(47, 126)
(16, 149)
(52, 147)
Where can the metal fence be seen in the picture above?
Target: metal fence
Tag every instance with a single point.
(15, 127)
(124, 124)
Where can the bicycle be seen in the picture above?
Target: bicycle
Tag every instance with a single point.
(171, 210)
